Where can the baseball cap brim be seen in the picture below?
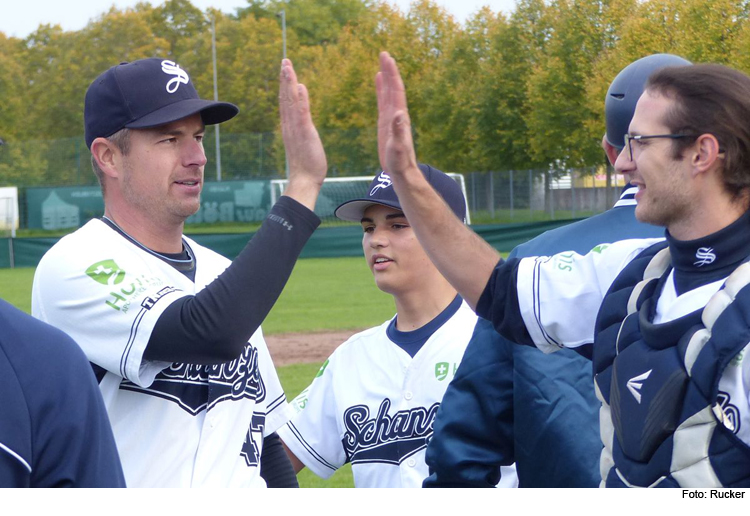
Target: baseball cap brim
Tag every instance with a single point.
(354, 210)
(212, 112)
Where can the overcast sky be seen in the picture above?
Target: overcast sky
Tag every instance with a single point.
(21, 17)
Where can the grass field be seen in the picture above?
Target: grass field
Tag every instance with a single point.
(322, 294)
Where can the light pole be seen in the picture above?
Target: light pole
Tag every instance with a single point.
(283, 29)
(283, 38)
(216, 97)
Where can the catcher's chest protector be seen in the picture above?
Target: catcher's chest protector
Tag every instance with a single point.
(663, 423)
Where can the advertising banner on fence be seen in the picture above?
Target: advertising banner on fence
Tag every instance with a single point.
(71, 207)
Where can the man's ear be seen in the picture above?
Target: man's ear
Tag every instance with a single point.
(611, 151)
(107, 156)
(705, 153)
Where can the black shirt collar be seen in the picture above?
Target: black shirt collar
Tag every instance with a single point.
(711, 258)
(727, 247)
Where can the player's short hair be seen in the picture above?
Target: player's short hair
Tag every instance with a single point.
(713, 99)
(122, 140)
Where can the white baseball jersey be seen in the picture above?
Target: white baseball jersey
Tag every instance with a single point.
(559, 298)
(373, 405)
(181, 425)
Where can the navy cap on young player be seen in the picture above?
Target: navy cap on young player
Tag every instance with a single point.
(146, 93)
(381, 192)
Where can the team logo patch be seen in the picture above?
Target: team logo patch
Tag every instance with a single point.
(180, 75)
(704, 256)
(106, 272)
(441, 371)
(384, 181)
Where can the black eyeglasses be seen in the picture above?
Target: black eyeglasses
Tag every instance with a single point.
(629, 138)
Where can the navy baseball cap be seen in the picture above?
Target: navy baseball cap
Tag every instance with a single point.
(381, 192)
(146, 93)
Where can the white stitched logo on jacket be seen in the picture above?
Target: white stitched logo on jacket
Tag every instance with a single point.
(180, 75)
(635, 384)
(384, 181)
(705, 256)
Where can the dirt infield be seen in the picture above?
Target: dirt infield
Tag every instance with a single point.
(293, 348)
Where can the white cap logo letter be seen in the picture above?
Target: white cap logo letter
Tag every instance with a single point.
(384, 181)
(180, 75)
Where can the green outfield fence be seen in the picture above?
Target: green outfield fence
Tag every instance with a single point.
(325, 242)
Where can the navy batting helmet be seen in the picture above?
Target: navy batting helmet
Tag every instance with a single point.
(626, 89)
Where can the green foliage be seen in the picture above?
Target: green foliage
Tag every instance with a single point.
(313, 22)
(499, 92)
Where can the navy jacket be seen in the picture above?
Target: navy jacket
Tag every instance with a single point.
(54, 429)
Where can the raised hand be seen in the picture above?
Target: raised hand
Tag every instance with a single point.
(304, 150)
(395, 145)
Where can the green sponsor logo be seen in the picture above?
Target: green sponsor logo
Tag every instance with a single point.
(300, 402)
(106, 272)
(441, 371)
(322, 368)
(599, 248)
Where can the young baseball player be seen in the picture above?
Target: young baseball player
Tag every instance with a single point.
(172, 328)
(374, 400)
(668, 318)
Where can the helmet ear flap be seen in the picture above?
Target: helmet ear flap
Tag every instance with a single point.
(626, 89)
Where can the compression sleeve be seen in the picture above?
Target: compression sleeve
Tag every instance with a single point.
(213, 326)
(499, 302)
(275, 466)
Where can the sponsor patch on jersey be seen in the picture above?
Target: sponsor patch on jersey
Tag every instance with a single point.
(123, 293)
(322, 369)
(386, 438)
(106, 272)
(441, 371)
(300, 402)
(598, 249)
(564, 261)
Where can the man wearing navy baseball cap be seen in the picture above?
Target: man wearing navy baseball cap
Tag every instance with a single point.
(171, 328)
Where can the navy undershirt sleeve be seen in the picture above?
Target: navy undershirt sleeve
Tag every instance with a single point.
(213, 326)
(499, 303)
(275, 467)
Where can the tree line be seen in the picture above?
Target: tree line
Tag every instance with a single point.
(498, 92)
